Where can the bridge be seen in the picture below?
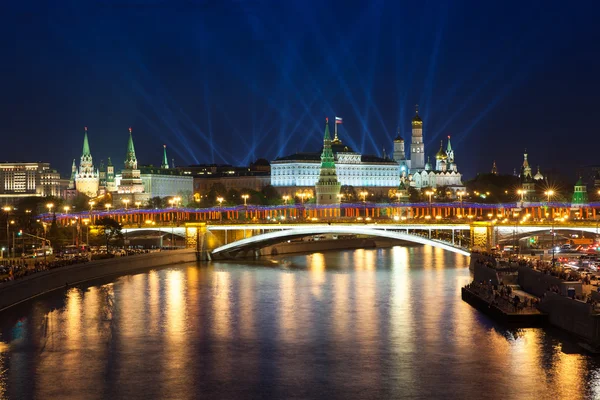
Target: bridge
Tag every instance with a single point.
(455, 227)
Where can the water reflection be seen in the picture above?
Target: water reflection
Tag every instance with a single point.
(379, 323)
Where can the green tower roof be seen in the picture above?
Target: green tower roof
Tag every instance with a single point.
(109, 163)
(130, 159)
(449, 147)
(165, 161)
(579, 182)
(327, 135)
(86, 145)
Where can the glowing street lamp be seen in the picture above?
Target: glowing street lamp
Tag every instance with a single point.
(522, 193)
(66, 208)
(126, 202)
(220, 200)
(549, 193)
(245, 197)
(7, 209)
(138, 204)
(49, 206)
(108, 206)
(285, 199)
(340, 196)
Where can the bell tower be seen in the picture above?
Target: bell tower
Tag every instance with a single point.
(417, 147)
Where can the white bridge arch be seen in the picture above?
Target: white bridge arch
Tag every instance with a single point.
(279, 236)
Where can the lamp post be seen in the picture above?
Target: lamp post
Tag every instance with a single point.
(245, 197)
(108, 206)
(521, 192)
(91, 203)
(126, 202)
(138, 204)
(7, 209)
(285, 200)
(220, 200)
(429, 193)
(460, 197)
(364, 196)
(549, 193)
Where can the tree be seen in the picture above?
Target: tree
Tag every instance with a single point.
(110, 229)
(156, 202)
(271, 195)
(81, 202)
(349, 193)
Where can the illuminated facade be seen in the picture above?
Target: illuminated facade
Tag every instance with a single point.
(420, 174)
(87, 179)
(130, 187)
(354, 169)
(18, 180)
(327, 188)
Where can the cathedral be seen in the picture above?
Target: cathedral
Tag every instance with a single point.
(418, 173)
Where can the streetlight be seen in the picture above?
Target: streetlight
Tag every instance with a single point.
(549, 193)
(245, 197)
(108, 211)
(66, 208)
(7, 209)
(460, 197)
(138, 204)
(86, 222)
(285, 199)
(126, 202)
(522, 193)
(220, 200)
(364, 195)
(429, 193)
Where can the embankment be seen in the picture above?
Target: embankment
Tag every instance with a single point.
(14, 292)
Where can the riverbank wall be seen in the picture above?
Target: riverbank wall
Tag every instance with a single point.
(15, 292)
(573, 316)
(538, 283)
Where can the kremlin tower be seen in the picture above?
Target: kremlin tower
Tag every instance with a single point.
(87, 179)
(328, 187)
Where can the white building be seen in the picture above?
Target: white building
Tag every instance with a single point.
(354, 169)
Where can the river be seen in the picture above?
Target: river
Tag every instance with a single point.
(356, 324)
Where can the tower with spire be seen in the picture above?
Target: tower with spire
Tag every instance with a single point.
(494, 169)
(417, 147)
(165, 160)
(73, 175)
(131, 181)
(327, 187)
(87, 178)
(110, 177)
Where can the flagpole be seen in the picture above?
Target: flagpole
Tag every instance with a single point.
(336, 124)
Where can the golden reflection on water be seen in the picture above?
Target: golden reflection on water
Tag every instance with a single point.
(153, 302)
(221, 304)
(176, 310)
(374, 307)
(288, 310)
(247, 306)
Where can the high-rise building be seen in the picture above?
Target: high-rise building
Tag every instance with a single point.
(327, 187)
(87, 180)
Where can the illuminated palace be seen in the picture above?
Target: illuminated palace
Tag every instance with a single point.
(302, 170)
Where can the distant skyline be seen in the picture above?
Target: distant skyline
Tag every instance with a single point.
(233, 81)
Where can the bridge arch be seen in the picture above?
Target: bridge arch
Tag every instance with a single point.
(265, 239)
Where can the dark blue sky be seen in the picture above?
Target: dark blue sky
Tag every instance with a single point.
(231, 81)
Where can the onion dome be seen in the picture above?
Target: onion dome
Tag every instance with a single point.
(398, 137)
(427, 165)
(417, 121)
(538, 176)
(441, 154)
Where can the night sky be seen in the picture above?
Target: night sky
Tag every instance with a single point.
(231, 81)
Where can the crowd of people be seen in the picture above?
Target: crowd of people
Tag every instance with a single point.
(11, 270)
(503, 297)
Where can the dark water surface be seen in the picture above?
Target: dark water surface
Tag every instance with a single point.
(360, 324)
